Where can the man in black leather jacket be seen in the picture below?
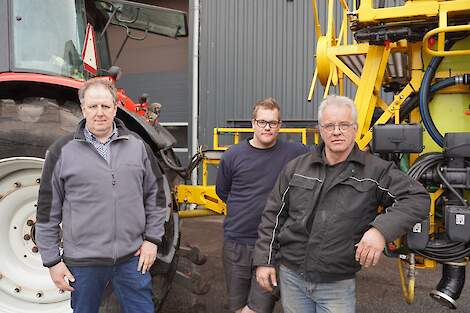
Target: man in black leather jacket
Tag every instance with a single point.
(320, 221)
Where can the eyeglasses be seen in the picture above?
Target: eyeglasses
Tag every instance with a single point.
(104, 107)
(343, 126)
(272, 124)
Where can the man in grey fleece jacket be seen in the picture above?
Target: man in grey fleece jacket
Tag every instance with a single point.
(104, 185)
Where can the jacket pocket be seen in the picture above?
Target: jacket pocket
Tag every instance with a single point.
(301, 189)
(74, 232)
(358, 197)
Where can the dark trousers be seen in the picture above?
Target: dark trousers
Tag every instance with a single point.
(132, 289)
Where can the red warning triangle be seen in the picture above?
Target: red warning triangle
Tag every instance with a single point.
(89, 51)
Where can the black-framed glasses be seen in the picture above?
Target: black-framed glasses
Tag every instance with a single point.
(343, 126)
(272, 124)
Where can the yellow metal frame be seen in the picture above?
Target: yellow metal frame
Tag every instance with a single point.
(205, 196)
(441, 52)
(330, 48)
(331, 70)
(411, 11)
(237, 131)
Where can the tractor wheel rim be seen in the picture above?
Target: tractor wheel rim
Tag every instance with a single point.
(25, 285)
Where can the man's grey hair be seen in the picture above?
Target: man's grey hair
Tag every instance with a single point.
(339, 101)
(95, 82)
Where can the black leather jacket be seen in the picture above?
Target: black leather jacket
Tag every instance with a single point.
(337, 216)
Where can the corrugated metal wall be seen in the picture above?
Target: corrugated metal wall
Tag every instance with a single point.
(250, 50)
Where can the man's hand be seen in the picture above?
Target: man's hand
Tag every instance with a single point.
(266, 277)
(61, 276)
(148, 255)
(370, 248)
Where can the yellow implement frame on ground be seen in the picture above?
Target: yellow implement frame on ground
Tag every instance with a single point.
(202, 200)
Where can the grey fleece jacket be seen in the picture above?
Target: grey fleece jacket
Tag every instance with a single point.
(106, 210)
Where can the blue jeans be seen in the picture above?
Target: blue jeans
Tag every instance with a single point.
(300, 296)
(132, 289)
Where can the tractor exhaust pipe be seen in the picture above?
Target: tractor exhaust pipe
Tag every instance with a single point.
(451, 284)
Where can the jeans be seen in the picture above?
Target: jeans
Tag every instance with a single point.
(300, 296)
(132, 289)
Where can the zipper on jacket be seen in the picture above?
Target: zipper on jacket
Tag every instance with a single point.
(115, 215)
(113, 182)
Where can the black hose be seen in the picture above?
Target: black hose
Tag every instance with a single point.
(184, 172)
(424, 94)
(412, 102)
(450, 286)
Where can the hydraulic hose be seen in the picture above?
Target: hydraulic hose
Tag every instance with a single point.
(184, 172)
(408, 289)
(412, 102)
(424, 93)
(451, 284)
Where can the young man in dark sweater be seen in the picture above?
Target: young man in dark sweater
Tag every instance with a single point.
(246, 175)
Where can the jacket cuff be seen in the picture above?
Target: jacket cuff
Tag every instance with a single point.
(157, 242)
(387, 233)
(51, 264)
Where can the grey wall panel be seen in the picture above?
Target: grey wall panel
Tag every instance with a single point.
(250, 50)
(4, 43)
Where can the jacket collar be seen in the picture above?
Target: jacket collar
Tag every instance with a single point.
(123, 132)
(356, 155)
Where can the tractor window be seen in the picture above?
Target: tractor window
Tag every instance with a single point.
(48, 37)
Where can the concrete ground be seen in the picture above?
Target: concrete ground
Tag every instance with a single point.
(378, 288)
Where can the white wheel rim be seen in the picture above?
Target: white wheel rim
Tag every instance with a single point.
(25, 285)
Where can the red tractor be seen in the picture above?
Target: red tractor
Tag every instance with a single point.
(41, 69)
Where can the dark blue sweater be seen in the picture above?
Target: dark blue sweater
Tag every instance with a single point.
(245, 177)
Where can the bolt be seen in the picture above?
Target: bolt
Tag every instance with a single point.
(170, 205)
(38, 180)
(17, 289)
(27, 237)
(17, 184)
(35, 205)
(39, 294)
(30, 222)
(35, 249)
(61, 291)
